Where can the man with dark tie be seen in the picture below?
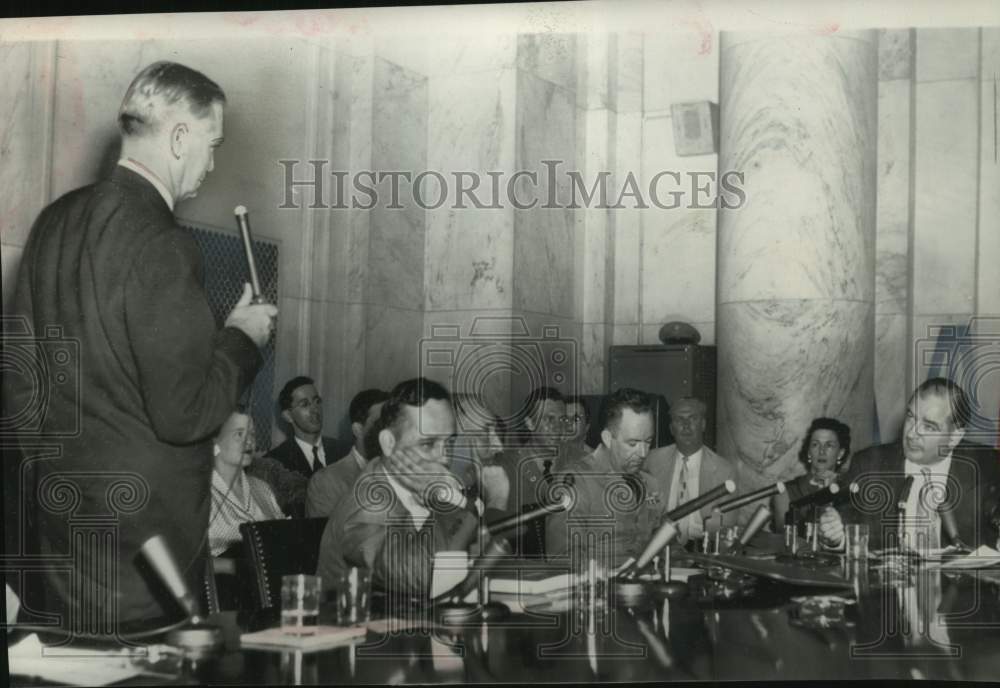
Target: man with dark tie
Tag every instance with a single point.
(407, 505)
(910, 490)
(108, 268)
(529, 467)
(616, 502)
(328, 487)
(306, 451)
(688, 468)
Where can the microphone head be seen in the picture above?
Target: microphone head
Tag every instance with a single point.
(780, 487)
(157, 553)
(730, 486)
(834, 488)
(853, 488)
(240, 210)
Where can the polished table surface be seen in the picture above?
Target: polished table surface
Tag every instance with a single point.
(925, 624)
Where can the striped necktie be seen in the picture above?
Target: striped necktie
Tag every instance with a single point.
(927, 517)
(682, 496)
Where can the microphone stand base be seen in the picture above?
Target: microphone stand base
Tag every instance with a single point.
(461, 613)
(197, 640)
(671, 590)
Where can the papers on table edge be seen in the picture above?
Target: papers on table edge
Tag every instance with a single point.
(324, 638)
(982, 557)
(72, 666)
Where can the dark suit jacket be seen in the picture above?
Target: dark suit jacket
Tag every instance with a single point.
(289, 453)
(372, 529)
(524, 469)
(150, 380)
(879, 472)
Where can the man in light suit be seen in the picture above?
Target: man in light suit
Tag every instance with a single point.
(688, 468)
(328, 487)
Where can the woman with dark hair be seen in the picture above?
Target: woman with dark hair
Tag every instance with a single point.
(826, 448)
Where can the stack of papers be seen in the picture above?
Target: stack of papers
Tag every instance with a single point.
(978, 559)
(72, 666)
(324, 638)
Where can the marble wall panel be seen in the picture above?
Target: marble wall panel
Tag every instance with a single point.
(895, 54)
(945, 198)
(595, 339)
(591, 220)
(785, 363)
(947, 54)
(350, 152)
(469, 252)
(680, 66)
(678, 243)
(25, 113)
(988, 286)
(893, 215)
(892, 359)
(593, 57)
(626, 226)
(549, 56)
(399, 144)
(544, 236)
(624, 335)
(990, 66)
(392, 345)
(626, 72)
(468, 53)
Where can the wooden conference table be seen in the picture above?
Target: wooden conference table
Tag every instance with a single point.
(926, 624)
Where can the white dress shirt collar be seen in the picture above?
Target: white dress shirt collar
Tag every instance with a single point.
(147, 174)
(307, 449)
(355, 455)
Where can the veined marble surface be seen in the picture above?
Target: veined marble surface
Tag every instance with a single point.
(784, 363)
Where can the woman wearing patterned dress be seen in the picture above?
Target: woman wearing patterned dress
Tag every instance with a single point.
(236, 497)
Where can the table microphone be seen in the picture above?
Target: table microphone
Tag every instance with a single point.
(243, 221)
(904, 494)
(196, 636)
(666, 532)
(824, 496)
(742, 500)
(761, 516)
(518, 520)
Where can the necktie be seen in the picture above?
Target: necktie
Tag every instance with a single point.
(547, 470)
(317, 462)
(682, 496)
(926, 515)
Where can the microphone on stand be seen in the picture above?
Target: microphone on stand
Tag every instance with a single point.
(197, 637)
(666, 532)
(761, 516)
(824, 496)
(742, 500)
(904, 494)
(243, 222)
(519, 520)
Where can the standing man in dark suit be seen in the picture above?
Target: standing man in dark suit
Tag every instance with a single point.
(950, 474)
(108, 265)
(306, 451)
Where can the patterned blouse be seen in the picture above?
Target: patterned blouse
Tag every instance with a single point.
(228, 512)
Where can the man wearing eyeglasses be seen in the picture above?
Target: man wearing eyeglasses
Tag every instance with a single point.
(577, 425)
(306, 451)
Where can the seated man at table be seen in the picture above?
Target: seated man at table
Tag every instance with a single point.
(329, 486)
(950, 474)
(406, 505)
(616, 503)
(577, 426)
(686, 469)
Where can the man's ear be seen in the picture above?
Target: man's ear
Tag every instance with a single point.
(606, 437)
(178, 136)
(386, 441)
(956, 436)
(530, 423)
(286, 415)
(358, 430)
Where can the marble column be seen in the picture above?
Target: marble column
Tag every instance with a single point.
(796, 274)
